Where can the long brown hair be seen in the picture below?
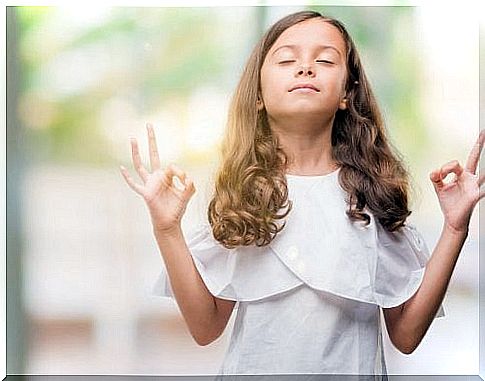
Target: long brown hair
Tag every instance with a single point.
(251, 191)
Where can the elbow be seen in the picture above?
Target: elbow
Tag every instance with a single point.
(201, 341)
(404, 343)
(205, 334)
(406, 347)
(407, 350)
(204, 339)
(201, 338)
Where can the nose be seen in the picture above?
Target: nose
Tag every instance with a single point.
(305, 70)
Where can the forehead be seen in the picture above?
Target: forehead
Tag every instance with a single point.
(310, 33)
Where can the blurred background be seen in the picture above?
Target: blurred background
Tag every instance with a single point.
(81, 256)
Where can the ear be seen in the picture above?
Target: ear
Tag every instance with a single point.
(343, 104)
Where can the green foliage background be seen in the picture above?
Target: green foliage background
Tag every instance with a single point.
(187, 47)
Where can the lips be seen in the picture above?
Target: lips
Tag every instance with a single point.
(304, 86)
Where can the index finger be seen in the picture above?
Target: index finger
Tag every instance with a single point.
(152, 147)
(474, 156)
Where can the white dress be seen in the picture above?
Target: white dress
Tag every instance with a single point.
(309, 302)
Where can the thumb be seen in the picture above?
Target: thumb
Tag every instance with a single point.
(436, 179)
(189, 188)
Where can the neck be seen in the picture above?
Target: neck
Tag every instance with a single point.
(307, 145)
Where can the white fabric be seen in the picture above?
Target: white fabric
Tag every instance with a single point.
(309, 301)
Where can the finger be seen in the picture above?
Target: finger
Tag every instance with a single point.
(135, 153)
(152, 147)
(189, 189)
(452, 166)
(438, 175)
(166, 178)
(435, 177)
(173, 170)
(481, 179)
(474, 156)
(137, 188)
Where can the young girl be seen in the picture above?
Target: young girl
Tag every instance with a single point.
(306, 233)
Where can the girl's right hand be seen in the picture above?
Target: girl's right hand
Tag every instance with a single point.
(165, 202)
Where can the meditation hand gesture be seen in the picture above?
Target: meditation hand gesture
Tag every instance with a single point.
(458, 197)
(165, 201)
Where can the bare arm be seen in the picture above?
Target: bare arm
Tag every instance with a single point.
(408, 323)
(205, 315)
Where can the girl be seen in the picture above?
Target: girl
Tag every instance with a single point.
(306, 234)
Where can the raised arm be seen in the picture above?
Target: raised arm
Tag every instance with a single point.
(205, 315)
(407, 324)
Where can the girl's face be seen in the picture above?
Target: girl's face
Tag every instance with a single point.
(311, 52)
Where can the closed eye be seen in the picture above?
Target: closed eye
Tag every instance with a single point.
(320, 61)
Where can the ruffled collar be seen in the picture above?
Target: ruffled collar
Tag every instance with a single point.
(320, 244)
(319, 247)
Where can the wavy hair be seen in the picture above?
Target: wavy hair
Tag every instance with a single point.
(251, 193)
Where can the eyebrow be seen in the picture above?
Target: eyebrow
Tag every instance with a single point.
(320, 47)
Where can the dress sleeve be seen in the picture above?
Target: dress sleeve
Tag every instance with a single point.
(200, 243)
(246, 273)
(162, 287)
(400, 265)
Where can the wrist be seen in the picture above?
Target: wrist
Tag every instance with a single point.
(462, 233)
(167, 233)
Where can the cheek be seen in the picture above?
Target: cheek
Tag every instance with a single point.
(336, 87)
(270, 86)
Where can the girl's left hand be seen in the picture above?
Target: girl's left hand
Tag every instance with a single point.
(458, 197)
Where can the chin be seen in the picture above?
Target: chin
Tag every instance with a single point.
(308, 109)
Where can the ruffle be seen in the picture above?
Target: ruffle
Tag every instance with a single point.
(240, 274)
(319, 247)
(401, 262)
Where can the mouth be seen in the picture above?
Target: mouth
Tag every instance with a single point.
(306, 87)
